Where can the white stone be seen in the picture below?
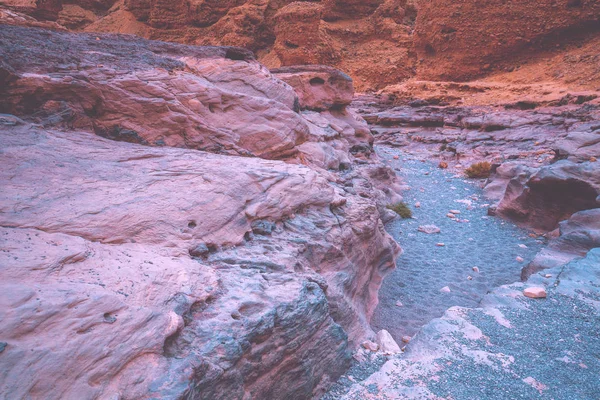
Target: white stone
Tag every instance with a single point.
(445, 289)
(429, 229)
(386, 342)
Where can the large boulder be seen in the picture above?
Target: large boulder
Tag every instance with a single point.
(552, 194)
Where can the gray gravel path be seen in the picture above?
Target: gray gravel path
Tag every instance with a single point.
(488, 243)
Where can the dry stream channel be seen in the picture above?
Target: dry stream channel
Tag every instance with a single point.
(472, 254)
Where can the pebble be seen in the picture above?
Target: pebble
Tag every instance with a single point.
(370, 345)
(593, 159)
(429, 229)
(449, 215)
(454, 212)
(418, 204)
(519, 259)
(443, 165)
(440, 244)
(475, 269)
(396, 157)
(535, 292)
(399, 304)
(522, 246)
(445, 289)
(406, 339)
(548, 276)
(469, 278)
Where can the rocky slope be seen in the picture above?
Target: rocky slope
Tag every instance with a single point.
(176, 223)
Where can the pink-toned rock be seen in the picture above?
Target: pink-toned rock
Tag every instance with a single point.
(445, 289)
(319, 87)
(177, 265)
(535, 292)
(371, 346)
(429, 229)
(214, 99)
(386, 342)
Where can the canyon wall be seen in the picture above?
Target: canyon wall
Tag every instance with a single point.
(176, 223)
(461, 40)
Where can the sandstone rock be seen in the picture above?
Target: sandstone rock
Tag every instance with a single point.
(535, 292)
(406, 339)
(191, 108)
(318, 87)
(552, 194)
(371, 346)
(386, 342)
(119, 223)
(429, 229)
(451, 46)
(578, 235)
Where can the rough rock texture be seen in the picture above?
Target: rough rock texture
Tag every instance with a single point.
(460, 40)
(578, 235)
(512, 344)
(369, 40)
(552, 194)
(154, 270)
(319, 87)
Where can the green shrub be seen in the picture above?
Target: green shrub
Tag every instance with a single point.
(401, 209)
(479, 170)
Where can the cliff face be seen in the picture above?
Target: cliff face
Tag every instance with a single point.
(368, 40)
(461, 40)
(377, 42)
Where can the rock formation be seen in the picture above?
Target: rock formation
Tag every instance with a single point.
(462, 40)
(173, 225)
(369, 40)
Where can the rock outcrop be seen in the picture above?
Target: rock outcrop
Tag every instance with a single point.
(152, 242)
(369, 40)
(462, 40)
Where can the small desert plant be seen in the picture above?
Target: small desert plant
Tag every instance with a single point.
(479, 170)
(400, 208)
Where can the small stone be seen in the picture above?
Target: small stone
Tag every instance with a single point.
(476, 269)
(450, 215)
(535, 293)
(201, 249)
(406, 339)
(429, 229)
(443, 165)
(548, 276)
(262, 227)
(522, 246)
(454, 212)
(440, 244)
(593, 159)
(445, 289)
(469, 278)
(396, 157)
(371, 346)
(386, 342)
(418, 204)
(399, 304)
(351, 378)
(519, 259)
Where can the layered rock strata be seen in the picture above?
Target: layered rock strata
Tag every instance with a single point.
(174, 226)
